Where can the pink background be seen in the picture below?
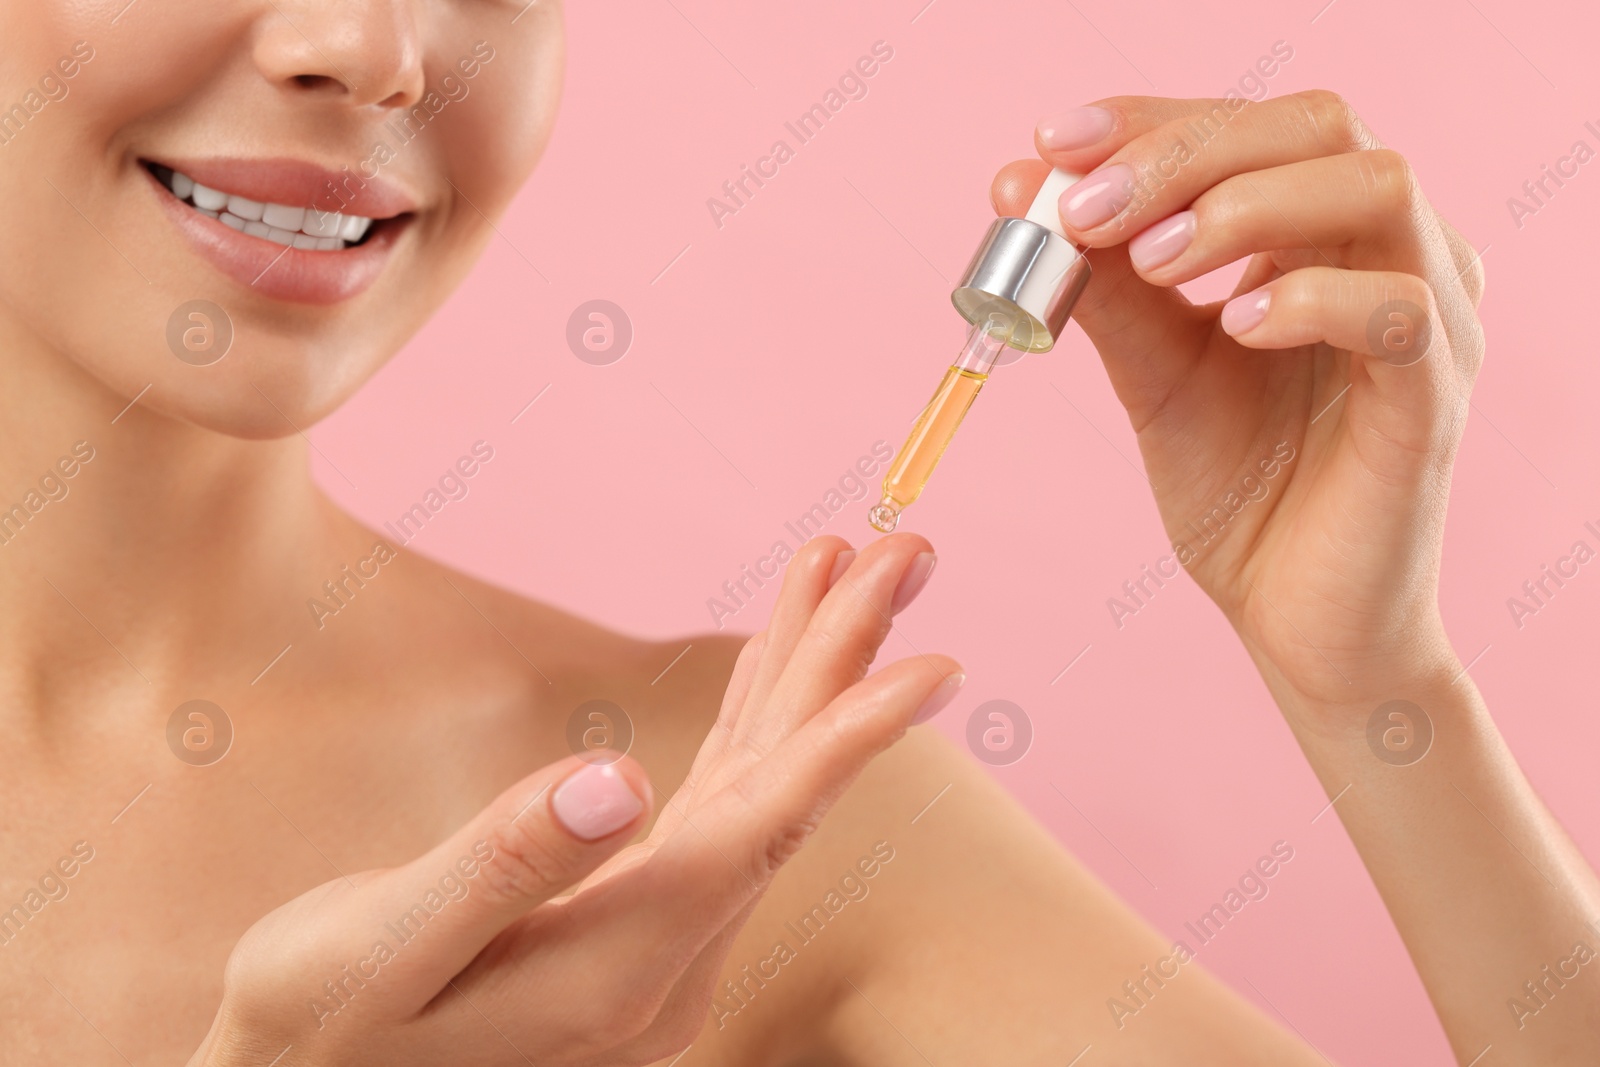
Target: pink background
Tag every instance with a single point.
(816, 320)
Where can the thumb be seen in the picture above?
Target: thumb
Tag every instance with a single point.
(544, 834)
(1136, 326)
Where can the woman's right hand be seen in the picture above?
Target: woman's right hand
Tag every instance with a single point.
(465, 955)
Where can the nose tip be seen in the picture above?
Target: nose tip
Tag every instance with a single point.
(361, 52)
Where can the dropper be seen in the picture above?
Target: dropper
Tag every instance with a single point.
(934, 428)
(1017, 292)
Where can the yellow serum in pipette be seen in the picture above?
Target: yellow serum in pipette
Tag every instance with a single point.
(937, 424)
(931, 434)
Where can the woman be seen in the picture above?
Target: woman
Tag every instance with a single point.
(416, 751)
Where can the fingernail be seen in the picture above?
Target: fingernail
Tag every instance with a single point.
(940, 698)
(912, 581)
(595, 801)
(1244, 313)
(1163, 242)
(1078, 128)
(1098, 197)
(841, 563)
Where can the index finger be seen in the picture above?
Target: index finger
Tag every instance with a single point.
(1082, 138)
(1162, 168)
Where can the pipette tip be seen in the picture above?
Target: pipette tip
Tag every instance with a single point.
(884, 517)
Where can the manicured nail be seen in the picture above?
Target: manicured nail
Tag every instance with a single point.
(841, 563)
(1098, 197)
(940, 698)
(912, 581)
(1244, 313)
(1078, 128)
(1163, 242)
(595, 801)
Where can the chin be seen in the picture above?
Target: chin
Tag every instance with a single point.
(280, 394)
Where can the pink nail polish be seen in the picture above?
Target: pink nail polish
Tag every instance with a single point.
(1163, 242)
(1244, 313)
(841, 563)
(940, 698)
(595, 801)
(912, 581)
(1098, 197)
(1078, 128)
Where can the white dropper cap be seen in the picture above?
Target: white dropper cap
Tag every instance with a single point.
(1026, 272)
(1045, 209)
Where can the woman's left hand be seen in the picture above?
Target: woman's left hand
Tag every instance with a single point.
(1299, 438)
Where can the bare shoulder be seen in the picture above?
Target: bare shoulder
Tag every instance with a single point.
(524, 682)
(929, 898)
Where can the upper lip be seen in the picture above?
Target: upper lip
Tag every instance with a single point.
(297, 183)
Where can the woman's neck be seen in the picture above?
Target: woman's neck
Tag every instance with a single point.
(139, 554)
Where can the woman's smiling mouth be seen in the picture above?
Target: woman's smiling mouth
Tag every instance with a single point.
(306, 228)
(286, 229)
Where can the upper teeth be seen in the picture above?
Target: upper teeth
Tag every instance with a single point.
(304, 228)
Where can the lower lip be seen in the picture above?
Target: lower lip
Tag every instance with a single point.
(277, 271)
